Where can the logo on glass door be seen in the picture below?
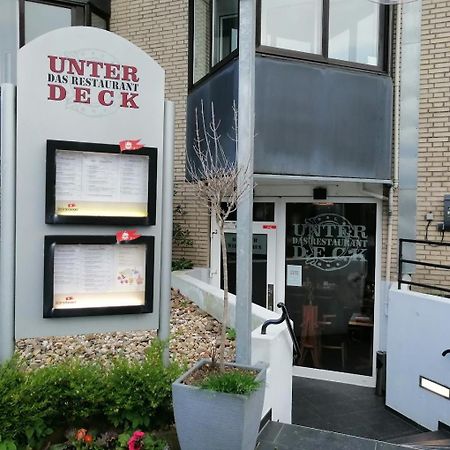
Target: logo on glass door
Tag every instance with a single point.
(329, 242)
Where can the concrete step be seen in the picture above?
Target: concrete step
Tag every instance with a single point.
(428, 440)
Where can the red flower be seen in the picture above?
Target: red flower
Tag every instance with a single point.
(89, 439)
(80, 434)
(135, 442)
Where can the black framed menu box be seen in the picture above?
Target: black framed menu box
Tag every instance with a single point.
(89, 183)
(93, 275)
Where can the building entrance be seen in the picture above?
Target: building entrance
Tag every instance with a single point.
(330, 283)
(322, 261)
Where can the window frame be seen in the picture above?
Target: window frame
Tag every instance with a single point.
(80, 13)
(191, 38)
(383, 42)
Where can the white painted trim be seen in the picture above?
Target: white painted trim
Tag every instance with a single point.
(329, 375)
(230, 227)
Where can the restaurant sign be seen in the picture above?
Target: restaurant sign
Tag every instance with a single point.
(329, 242)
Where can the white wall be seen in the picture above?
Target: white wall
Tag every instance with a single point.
(274, 348)
(418, 332)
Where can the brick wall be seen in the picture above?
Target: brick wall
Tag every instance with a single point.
(434, 134)
(160, 28)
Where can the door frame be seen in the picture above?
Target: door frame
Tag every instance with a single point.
(280, 219)
(267, 228)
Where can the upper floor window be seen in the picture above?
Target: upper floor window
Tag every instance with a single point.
(351, 31)
(215, 26)
(41, 16)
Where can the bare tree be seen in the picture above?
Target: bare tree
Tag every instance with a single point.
(215, 177)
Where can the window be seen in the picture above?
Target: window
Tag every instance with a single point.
(99, 21)
(38, 17)
(292, 25)
(354, 31)
(214, 34)
(41, 18)
(349, 31)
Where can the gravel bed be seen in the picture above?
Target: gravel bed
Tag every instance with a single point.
(193, 332)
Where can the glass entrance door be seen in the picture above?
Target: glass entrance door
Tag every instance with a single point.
(330, 283)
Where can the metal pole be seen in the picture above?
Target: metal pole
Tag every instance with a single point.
(7, 219)
(246, 133)
(166, 225)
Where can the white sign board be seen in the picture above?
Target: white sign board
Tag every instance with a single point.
(80, 84)
(294, 275)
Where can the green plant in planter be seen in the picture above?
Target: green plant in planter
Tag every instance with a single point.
(238, 382)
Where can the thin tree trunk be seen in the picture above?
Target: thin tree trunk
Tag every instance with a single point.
(225, 298)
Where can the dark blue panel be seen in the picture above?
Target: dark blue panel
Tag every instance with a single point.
(221, 90)
(321, 120)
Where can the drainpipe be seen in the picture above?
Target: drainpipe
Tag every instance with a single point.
(394, 188)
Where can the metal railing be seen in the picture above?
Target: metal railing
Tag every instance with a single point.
(416, 262)
(284, 317)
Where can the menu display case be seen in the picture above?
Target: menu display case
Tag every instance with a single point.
(90, 183)
(95, 275)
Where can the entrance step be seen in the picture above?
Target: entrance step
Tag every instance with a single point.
(280, 436)
(430, 440)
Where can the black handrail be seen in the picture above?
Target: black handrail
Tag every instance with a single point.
(416, 262)
(284, 317)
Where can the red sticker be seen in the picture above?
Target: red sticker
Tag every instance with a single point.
(269, 227)
(127, 235)
(130, 144)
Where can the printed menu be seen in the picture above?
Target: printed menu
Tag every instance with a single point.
(90, 276)
(101, 184)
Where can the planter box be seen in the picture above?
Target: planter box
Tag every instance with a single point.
(208, 420)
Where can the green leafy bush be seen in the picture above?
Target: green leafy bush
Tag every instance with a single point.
(35, 403)
(140, 394)
(12, 380)
(182, 264)
(233, 382)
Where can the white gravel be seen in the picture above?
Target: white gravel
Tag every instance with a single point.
(193, 332)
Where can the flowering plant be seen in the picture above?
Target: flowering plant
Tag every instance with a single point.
(81, 439)
(136, 441)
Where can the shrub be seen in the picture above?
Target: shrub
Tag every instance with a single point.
(139, 395)
(11, 383)
(182, 264)
(35, 403)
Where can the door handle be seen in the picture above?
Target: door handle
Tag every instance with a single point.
(270, 297)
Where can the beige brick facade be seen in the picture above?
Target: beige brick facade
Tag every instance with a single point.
(434, 134)
(160, 28)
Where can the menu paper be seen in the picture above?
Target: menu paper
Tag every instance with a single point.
(91, 276)
(101, 184)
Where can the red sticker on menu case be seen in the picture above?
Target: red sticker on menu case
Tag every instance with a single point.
(127, 235)
(130, 144)
(269, 227)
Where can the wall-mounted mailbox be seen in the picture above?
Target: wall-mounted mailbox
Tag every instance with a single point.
(445, 226)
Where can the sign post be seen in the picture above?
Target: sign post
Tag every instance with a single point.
(7, 219)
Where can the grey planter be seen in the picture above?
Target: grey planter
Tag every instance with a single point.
(208, 420)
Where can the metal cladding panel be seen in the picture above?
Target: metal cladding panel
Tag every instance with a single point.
(220, 90)
(321, 120)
